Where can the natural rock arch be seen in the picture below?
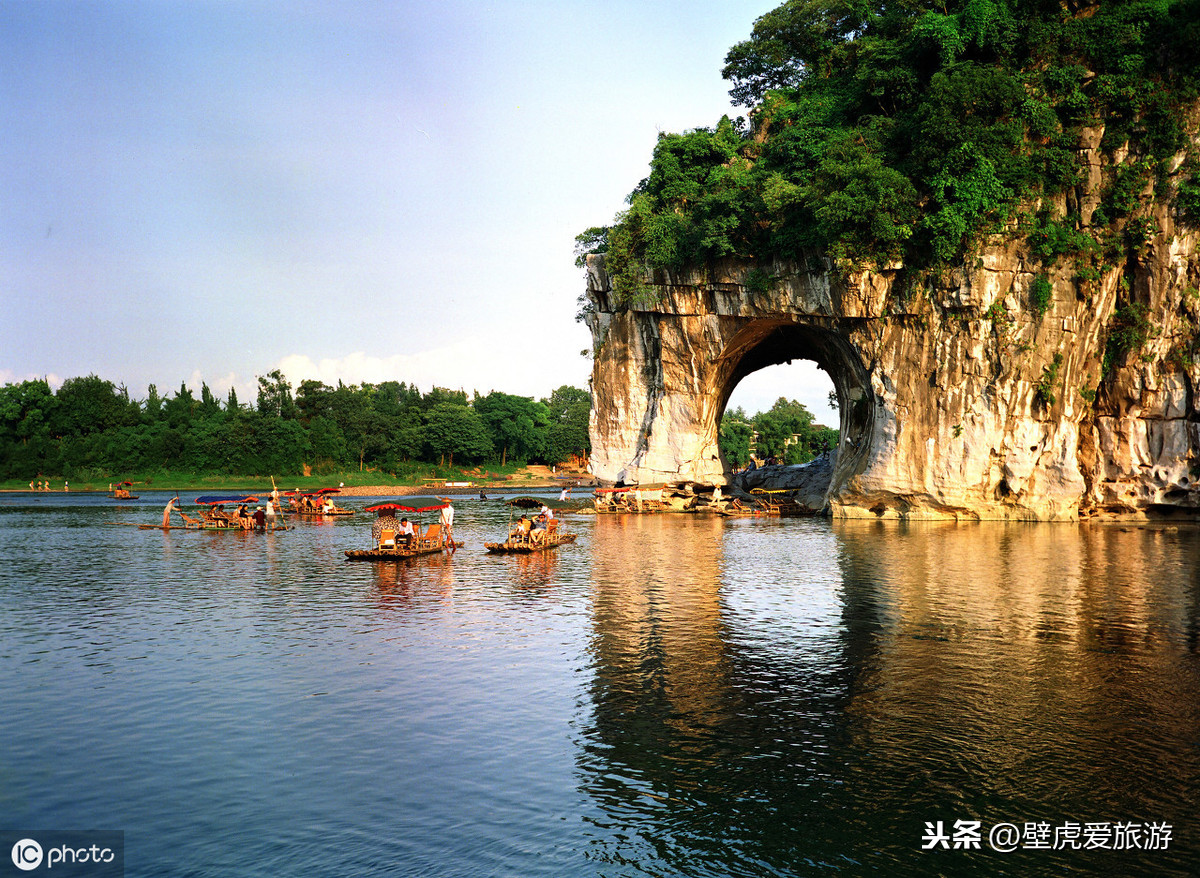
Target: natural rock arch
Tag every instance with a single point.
(960, 400)
(664, 374)
(770, 341)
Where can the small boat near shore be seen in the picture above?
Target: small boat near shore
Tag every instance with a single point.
(638, 499)
(318, 504)
(120, 491)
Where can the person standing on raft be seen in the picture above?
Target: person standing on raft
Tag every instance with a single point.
(167, 512)
(447, 522)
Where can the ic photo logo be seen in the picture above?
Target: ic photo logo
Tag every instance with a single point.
(26, 854)
(68, 853)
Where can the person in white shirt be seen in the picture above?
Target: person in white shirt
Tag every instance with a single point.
(447, 522)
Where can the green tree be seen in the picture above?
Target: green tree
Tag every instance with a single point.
(152, 408)
(734, 437)
(210, 406)
(275, 396)
(327, 442)
(408, 440)
(456, 431)
(911, 129)
(91, 405)
(314, 400)
(516, 424)
(784, 432)
(26, 411)
(180, 408)
(438, 395)
(569, 410)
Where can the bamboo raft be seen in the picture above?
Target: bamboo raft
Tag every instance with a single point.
(215, 527)
(398, 554)
(532, 540)
(515, 546)
(391, 546)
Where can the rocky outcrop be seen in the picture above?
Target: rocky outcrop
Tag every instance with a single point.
(808, 483)
(980, 394)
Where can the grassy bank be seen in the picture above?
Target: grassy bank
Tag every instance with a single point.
(514, 475)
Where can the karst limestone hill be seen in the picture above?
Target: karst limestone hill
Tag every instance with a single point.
(1014, 387)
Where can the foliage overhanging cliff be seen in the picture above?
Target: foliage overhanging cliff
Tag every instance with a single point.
(907, 132)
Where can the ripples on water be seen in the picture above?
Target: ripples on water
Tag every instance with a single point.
(669, 696)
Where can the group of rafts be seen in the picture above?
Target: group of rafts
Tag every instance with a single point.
(403, 539)
(239, 511)
(687, 497)
(394, 539)
(397, 539)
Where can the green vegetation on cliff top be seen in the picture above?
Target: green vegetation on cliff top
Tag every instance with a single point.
(908, 130)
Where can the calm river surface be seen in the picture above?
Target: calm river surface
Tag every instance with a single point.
(671, 695)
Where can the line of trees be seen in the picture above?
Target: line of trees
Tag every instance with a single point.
(91, 428)
(786, 433)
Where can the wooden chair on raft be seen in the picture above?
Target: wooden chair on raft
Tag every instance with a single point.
(433, 536)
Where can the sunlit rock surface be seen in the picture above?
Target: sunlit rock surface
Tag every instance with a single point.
(957, 400)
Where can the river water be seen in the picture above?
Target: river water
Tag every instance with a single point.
(669, 696)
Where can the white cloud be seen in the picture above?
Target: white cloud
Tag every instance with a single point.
(470, 365)
(7, 376)
(245, 388)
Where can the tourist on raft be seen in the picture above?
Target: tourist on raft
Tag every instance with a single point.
(524, 526)
(385, 521)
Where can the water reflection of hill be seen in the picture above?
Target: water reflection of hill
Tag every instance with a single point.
(786, 692)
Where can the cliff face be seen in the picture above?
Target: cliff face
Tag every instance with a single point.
(978, 395)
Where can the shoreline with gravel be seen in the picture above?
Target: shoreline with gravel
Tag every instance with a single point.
(458, 491)
(365, 490)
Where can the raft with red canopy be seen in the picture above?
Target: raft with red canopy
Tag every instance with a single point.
(428, 543)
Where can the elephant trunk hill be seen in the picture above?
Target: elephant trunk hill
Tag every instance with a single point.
(1013, 387)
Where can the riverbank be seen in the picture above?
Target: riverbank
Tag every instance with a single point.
(352, 484)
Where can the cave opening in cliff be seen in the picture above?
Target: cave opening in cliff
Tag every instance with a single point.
(800, 380)
(806, 362)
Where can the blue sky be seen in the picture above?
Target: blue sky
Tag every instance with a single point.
(357, 191)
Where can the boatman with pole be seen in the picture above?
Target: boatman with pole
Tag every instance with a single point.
(447, 522)
(167, 512)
